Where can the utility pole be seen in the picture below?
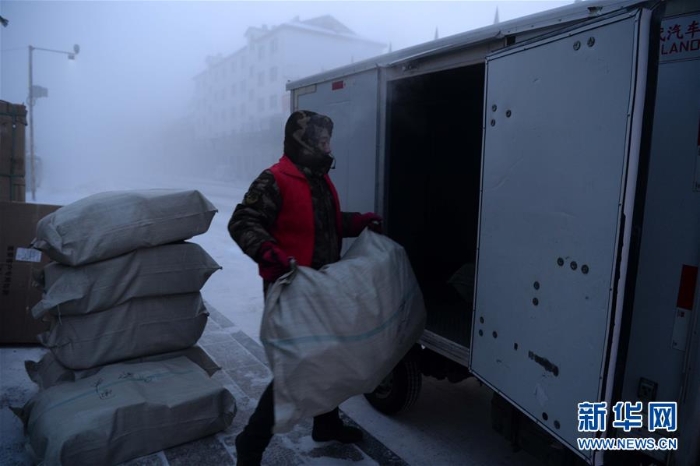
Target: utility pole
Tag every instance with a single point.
(30, 110)
(31, 123)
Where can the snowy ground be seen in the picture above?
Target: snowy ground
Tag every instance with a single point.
(450, 423)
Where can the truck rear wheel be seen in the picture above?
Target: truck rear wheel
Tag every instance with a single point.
(400, 389)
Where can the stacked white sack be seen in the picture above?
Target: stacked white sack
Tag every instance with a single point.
(106, 225)
(125, 289)
(122, 286)
(125, 411)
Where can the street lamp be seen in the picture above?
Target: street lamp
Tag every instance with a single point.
(71, 56)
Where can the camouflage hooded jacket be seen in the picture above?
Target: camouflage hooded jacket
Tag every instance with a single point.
(253, 219)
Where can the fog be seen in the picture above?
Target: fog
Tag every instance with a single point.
(122, 107)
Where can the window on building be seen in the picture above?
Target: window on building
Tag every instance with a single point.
(244, 86)
(273, 46)
(261, 52)
(243, 110)
(261, 105)
(251, 73)
(273, 102)
(273, 74)
(233, 113)
(251, 94)
(261, 78)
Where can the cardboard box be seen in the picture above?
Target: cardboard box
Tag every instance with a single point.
(13, 189)
(13, 120)
(18, 266)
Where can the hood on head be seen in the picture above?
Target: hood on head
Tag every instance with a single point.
(302, 134)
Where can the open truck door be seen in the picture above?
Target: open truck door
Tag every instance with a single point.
(563, 124)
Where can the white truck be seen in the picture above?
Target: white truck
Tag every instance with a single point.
(543, 175)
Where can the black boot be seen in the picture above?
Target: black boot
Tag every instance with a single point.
(256, 436)
(329, 427)
(247, 454)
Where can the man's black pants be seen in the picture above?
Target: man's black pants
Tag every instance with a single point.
(256, 436)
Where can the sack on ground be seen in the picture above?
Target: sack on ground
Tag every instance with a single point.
(139, 327)
(125, 411)
(110, 224)
(162, 270)
(334, 333)
(48, 371)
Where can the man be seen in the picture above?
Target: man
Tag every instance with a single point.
(292, 211)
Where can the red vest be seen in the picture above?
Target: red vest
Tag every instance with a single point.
(294, 228)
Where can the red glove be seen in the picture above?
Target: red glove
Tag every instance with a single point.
(359, 222)
(273, 262)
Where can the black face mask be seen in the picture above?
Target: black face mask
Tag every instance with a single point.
(321, 163)
(303, 131)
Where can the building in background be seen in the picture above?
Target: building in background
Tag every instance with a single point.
(240, 101)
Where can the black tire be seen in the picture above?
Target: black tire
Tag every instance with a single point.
(400, 389)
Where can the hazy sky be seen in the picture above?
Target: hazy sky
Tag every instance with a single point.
(134, 71)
